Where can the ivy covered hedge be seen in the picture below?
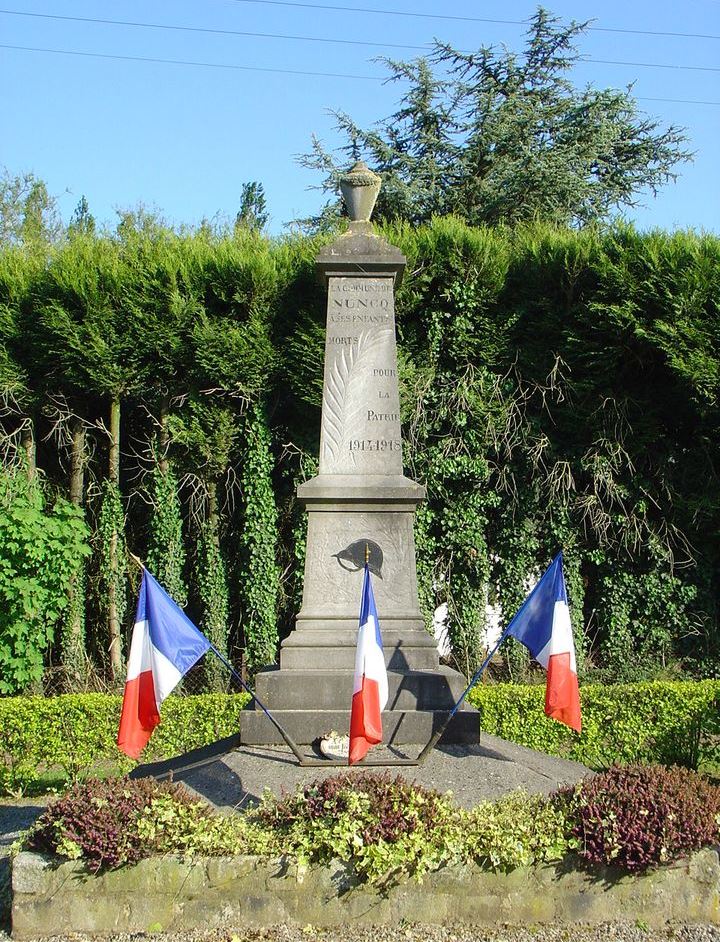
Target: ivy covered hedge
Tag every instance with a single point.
(72, 736)
(559, 389)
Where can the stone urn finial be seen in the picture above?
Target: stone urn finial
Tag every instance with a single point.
(360, 188)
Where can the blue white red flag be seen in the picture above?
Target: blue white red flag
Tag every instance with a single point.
(370, 685)
(165, 644)
(543, 625)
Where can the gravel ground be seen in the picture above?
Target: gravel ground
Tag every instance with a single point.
(609, 932)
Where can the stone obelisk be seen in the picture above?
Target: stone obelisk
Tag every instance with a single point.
(360, 501)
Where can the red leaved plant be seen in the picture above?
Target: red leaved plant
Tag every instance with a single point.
(98, 817)
(636, 817)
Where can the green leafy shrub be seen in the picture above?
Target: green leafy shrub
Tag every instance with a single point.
(73, 736)
(659, 721)
(172, 827)
(386, 829)
(383, 827)
(637, 817)
(519, 830)
(41, 552)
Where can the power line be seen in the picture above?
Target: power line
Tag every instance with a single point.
(653, 65)
(317, 39)
(679, 101)
(219, 32)
(469, 19)
(253, 68)
(207, 65)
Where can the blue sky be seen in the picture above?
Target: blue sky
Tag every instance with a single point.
(185, 138)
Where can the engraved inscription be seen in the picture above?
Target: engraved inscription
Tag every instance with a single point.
(337, 318)
(373, 416)
(360, 287)
(343, 412)
(363, 302)
(374, 444)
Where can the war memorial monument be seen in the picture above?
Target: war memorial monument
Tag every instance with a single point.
(360, 502)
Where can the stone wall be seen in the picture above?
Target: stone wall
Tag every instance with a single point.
(171, 894)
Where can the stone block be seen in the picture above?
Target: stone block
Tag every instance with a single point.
(252, 893)
(400, 727)
(332, 689)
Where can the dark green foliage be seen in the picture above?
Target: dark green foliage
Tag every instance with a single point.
(212, 587)
(41, 550)
(166, 548)
(98, 821)
(638, 817)
(559, 389)
(259, 576)
(496, 137)
(561, 430)
(111, 549)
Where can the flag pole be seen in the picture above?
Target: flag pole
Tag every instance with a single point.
(427, 749)
(286, 736)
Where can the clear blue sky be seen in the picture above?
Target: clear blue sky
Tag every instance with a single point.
(184, 138)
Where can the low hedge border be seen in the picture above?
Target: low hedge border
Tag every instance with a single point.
(670, 722)
(72, 736)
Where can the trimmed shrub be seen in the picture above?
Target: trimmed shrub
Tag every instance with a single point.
(642, 816)
(74, 736)
(659, 721)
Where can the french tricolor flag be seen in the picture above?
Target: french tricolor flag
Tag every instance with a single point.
(370, 686)
(543, 626)
(165, 645)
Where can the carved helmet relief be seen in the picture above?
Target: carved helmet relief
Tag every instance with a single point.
(352, 558)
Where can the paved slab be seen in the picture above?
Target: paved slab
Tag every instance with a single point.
(473, 773)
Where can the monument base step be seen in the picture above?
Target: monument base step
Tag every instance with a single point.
(400, 727)
(309, 648)
(433, 690)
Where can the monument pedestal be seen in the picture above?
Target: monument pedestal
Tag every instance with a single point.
(360, 502)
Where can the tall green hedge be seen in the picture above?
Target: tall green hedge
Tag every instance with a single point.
(559, 389)
(60, 739)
